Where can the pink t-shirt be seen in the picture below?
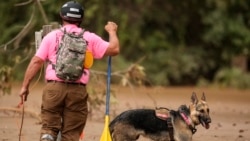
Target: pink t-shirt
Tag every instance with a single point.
(49, 45)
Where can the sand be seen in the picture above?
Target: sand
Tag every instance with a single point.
(229, 110)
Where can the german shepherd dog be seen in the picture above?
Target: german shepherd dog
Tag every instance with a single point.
(161, 124)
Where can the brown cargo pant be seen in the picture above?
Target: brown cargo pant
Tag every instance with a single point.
(64, 108)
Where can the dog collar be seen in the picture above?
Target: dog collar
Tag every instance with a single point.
(188, 122)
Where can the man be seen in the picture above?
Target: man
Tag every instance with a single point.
(64, 104)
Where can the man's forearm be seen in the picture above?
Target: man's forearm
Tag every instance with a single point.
(34, 66)
(114, 44)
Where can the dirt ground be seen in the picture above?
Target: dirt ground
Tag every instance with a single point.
(229, 110)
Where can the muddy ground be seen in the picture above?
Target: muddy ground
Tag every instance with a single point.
(229, 109)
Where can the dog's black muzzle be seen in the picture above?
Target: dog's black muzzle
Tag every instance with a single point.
(205, 121)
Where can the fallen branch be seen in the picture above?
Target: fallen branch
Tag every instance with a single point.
(19, 110)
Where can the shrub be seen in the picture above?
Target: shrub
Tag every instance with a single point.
(232, 77)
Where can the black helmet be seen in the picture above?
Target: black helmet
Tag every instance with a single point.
(72, 11)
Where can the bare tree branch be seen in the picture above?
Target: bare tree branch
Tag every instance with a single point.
(46, 21)
(21, 34)
(18, 38)
(27, 56)
(121, 74)
(24, 3)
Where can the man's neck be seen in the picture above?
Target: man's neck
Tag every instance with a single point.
(67, 23)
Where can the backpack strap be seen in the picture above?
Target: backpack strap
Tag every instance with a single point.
(58, 43)
(81, 33)
(63, 30)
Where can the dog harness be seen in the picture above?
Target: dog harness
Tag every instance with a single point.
(170, 128)
(164, 114)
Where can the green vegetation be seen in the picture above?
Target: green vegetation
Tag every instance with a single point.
(183, 42)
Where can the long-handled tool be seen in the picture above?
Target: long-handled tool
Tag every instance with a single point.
(106, 134)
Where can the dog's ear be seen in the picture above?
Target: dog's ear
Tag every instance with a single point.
(194, 98)
(203, 97)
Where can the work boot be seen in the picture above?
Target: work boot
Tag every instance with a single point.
(47, 137)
